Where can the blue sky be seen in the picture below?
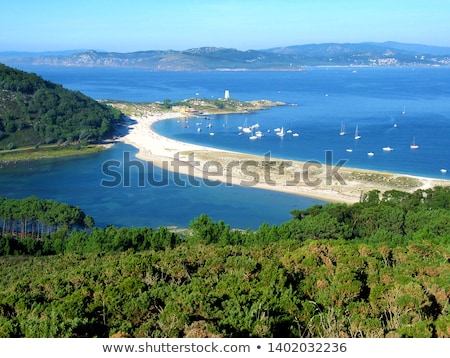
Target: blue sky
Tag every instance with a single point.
(133, 25)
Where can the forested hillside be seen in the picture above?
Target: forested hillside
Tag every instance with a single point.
(34, 111)
(378, 268)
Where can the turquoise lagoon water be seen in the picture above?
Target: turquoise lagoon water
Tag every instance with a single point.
(151, 198)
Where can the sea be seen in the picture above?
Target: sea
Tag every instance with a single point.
(392, 107)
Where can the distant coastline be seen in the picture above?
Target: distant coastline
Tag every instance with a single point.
(235, 168)
(290, 58)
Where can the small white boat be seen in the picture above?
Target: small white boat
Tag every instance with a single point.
(211, 134)
(295, 135)
(281, 132)
(199, 129)
(245, 128)
(349, 150)
(443, 171)
(253, 136)
(357, 136)
(370, 154)
(258, 134)
(342, 132)
(414, 144)
(388, 149)
(277, 129)
(289, 131)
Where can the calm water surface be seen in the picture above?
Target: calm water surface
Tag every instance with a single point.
(78, 181)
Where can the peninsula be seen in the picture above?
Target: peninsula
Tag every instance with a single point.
(323, 182)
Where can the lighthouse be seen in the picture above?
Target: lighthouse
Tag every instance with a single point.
(227, 94)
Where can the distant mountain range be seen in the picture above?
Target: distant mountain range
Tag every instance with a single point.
(216, 59)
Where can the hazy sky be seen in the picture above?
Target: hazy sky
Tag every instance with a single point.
(132, 25)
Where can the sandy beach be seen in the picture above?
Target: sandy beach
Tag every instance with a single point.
(331, 184)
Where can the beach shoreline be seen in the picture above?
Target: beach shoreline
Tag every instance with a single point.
(308, 179)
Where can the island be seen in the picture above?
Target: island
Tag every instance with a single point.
(320, 181)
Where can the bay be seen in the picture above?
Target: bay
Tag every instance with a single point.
(391, 107)
(372, 98)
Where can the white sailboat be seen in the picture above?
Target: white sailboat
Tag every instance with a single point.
(246, 128)
(414, 145)
(357, 136)
(342, 132)
(281, 132)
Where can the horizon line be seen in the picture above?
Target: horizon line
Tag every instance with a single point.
(80, 50)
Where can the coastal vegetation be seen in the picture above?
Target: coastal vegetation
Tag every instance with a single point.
(376, 268)
(387, 179)
(37, 218)
(46, 152)
(36, 113)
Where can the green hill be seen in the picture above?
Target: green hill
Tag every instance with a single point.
(377, 268)
(34, 111)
